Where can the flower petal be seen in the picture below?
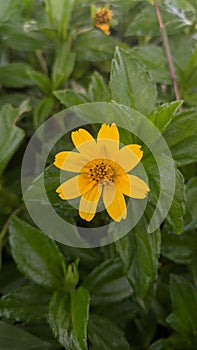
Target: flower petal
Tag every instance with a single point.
(104, 27)
(69, 189)
(123, 183)
(114, 202)
(108, 141)
(85, 143)
(129, 156)
(94, 193)
(137, 189)
(89, 202)
(70, 161)
(87, 209)
(75, 187)
(85, 184)
(108, 132)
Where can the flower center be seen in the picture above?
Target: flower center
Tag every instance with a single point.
(103, 16)
(101, 170)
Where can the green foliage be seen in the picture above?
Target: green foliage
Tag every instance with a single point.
(41, 80)
(163, 115)
(41, 262)
(70, 98)
(43, 109)
(59, 13)
(63, 64)
(12, 337)
(107, 284)
(154, 60)
(29, 303)
(181, 137)
(99, 329)
(183, 318)
(139, 292)
(80, 315)
(130, 84)
(94, 46)
(97, 89)
(10, 135)
(188, 79)
(191, 206)
(14, 75)
(68, 318)
(139, 255)
(177, 209)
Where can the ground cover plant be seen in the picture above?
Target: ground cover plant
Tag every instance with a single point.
(128, 69)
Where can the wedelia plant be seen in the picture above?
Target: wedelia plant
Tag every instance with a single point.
(98, 186)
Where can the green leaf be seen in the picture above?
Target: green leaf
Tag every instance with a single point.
(21, 35)
(93, 46)
(41, 80)
(15, 338)
(13, 98)
(163, 115)
(177, 209)
(10, 278)
(89, 257)
(181, 49)
(63, 64)
(68, 317)
(130, 84)
(154, 59)
(191, 204)
(144, 22)
(80, 315)
(97, 90)
(139, 252)
(107, 283)
(176, 213)
(43, 110)
(14, 75)
(180, 249)
(29, 303)
(51, 178)
(161, 344)
(179, 341)
(10, 135)
(181, 137)
(60, 319)
(70, 98)
(104, 335)
(118, 312)
(9, 8)
(184, 305)
(187, 79)
(189, 76)
(59, 12)
(193, 269)
(36, 255)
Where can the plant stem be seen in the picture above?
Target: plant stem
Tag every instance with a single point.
(42, 61)
(167, 49)
(5, 229)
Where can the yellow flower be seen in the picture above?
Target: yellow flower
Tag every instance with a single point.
(102, 18)
(102, 169)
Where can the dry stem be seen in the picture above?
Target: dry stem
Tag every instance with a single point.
(167, 49)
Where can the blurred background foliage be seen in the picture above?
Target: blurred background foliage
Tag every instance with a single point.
(141, 291)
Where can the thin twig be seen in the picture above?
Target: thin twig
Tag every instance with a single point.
(168, 51)
(5, 229)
